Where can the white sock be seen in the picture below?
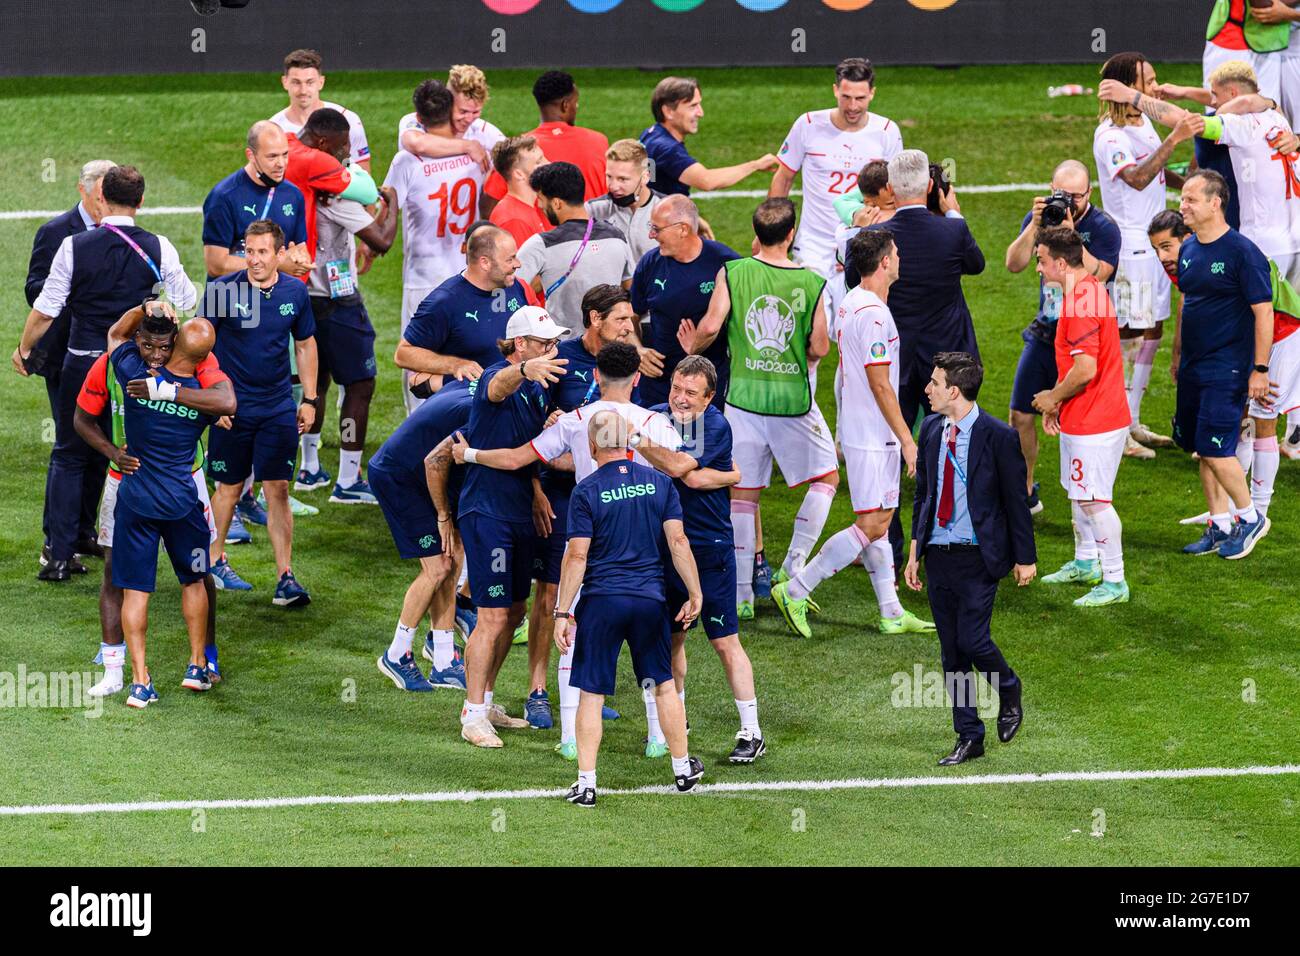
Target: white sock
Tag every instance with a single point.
(654, 731)
(401, 645)
(837, 553)
(1128, 349)
(808, 525)
(444, 649)
(586, 780)
(1222, 522)
(681, 765)
(569, 697)
(463, 576)
(349, 468)
(742, 523)
(487, 698)
(311, 452)
(1143, 358)
(879, 559)
(1085, 545)
(1264, 473)
(749, 716)
(1246, 455)
(1107, 530)
(248, 485)
(472, 712)
(1247, 514)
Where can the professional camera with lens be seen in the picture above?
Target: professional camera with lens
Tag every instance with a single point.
(1057, 209)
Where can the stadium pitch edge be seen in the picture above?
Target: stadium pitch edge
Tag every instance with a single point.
(471, 796)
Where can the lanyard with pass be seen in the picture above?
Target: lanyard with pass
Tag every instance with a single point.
(572, 265)
(961, 473)
(136, 246)
(270, 197)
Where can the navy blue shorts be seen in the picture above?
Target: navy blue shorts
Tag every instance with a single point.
(605, 621)
(135, 546)
(265, 445)
(717, 567)
(499, 556)
(345, 339)
(1207, 417)
(1035, 372)
(409, 511)
(548, 552)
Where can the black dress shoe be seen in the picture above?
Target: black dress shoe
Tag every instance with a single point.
(54, 571)
(74, 565)
(89, 548)
(965, 750)
(1009, 719)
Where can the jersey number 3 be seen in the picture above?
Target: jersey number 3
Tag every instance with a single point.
(463, 202)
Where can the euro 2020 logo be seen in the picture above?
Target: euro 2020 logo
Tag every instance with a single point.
(769, 323)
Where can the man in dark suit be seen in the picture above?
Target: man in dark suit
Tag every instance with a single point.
(53, 346)
(972, 525)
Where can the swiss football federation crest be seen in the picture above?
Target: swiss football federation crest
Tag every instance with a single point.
(769, 324)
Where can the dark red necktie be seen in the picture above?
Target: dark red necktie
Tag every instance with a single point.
(945, 499)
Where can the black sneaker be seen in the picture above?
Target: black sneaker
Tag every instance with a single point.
(687, 781)
(748, 748)
(586, 797)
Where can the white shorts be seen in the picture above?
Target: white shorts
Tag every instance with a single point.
(1267, 67)
(802, 446)
(1290, 83)
(1089, 464)
(412, 296)
(108, 505)
(1283, 368)
(1140, 290)
(873, 478)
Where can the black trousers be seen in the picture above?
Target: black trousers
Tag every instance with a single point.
(962, 593)
(77, 472)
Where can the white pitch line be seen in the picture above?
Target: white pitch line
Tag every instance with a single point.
(470, 796)
(716, 194)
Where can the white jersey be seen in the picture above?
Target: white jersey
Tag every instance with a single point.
(866, 336)
(480, 131)
(569, 434)
(831, 159)
(1116, 148)
(359, 147)
(438, 199)
(1268, 189)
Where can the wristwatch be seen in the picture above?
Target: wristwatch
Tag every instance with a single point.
(558, 615)
(313, 402)
(1261, 368)
(523, 365)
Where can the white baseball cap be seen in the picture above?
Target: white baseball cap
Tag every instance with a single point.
(535, 321)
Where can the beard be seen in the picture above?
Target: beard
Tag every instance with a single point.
(551, 217)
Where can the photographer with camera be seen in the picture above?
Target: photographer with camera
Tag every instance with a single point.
(1070, 204)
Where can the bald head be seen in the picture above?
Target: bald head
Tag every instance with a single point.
(194, 340)
(267, 153)
(1071, 176)
(681, 208)
(608, 434)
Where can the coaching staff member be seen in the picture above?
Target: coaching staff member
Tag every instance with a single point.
(96, 275)
(618, 516)
(972, 525)
(47, 358)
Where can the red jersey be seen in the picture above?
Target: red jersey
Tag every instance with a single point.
(562, 143)
(314, 171)
(94, 396)
(519, 218)
(1087, 326)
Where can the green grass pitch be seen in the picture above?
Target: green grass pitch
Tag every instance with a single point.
(1200, 669)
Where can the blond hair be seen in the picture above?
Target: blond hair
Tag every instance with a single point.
(1236, 73)
(469, 81)
(627, 151)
